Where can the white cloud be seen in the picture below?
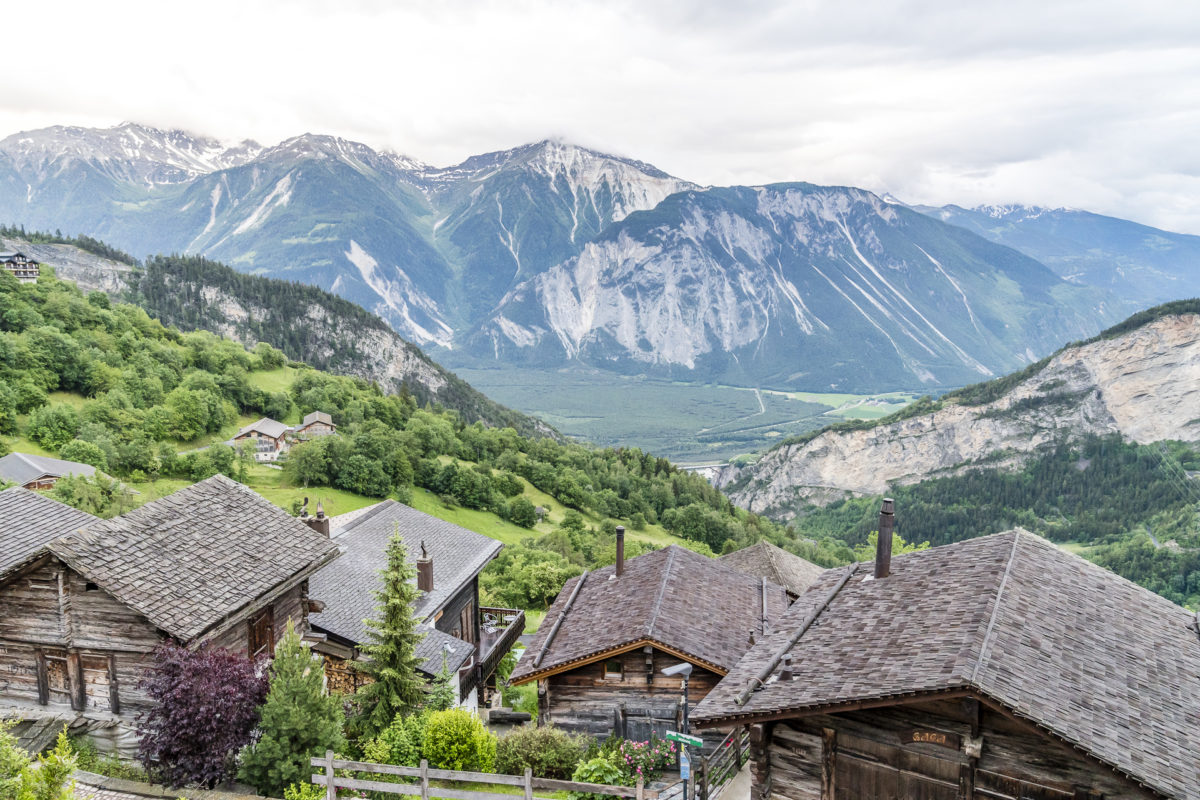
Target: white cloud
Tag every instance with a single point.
(1089, 104)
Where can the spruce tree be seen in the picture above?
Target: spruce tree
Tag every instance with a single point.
(394, 687)
(298, 721)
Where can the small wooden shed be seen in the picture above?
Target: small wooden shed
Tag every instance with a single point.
(1000, 668)
(599, 653)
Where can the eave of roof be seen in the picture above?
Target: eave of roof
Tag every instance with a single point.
(617, 650)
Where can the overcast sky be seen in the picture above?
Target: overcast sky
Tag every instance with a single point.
(1090, 104)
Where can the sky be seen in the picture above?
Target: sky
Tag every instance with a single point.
(1092, 105)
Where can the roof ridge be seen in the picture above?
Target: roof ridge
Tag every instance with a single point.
(987, 637)
(662, 590)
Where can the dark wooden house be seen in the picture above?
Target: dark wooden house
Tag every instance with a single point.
(39, 472)
(459, 634)
(599, 653)
(765, 560)
(81, 609)
(999, 668)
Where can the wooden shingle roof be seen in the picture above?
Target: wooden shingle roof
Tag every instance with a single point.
(684, 602)
(777, 565)
(22, 468)
(348, 585)
(1088, 656)
(28, 522)
(195, 557)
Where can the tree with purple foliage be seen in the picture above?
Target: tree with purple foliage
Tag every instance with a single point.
(205, 709)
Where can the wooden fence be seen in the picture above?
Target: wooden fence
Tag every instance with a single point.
(422, 789)
(718, 768)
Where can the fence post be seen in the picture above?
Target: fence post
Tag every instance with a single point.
(528, 783)
(641, 787)
(424, 779)
(330, 788)
(702, 779)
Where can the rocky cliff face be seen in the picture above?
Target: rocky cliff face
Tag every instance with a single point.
(1142, 385)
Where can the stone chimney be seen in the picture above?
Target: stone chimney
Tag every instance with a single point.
(883, 549)
(620, 550)
(319, 523)
(424, 570)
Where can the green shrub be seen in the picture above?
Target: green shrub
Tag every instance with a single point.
(548, 751)
(49, 779)
(304, 791)
(400, 743)
(596, 770)
(457, 739)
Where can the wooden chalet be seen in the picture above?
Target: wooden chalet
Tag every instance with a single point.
(269, 438)
(84, 601)
(20, 266)
(318, 423)
(765, 560)
(39, 472)
(458, 634)
(599, 653)
(1000, 668)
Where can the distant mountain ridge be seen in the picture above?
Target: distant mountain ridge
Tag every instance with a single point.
(1143, 265)
(489, 259)
(1139, 379)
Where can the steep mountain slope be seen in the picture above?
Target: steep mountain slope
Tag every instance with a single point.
(792, 285)
(1139, 379)
(306, 323)
(1142, 265)
(508, 216)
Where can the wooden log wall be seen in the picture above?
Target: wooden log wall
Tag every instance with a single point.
(641, 700)
(984, 755)
(293, 605)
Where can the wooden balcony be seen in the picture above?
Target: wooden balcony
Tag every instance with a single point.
(499, 629)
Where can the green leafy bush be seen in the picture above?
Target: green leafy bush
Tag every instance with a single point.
(645, 760)
(400, 743)
(596, 770)
(548, 751)
(49, 779)
(457, 739)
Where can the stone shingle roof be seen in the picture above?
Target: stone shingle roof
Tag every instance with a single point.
(316, 416)
(430, 650)
(347, 586)
(21, 468)
(267, 427)
(680, 599)
(1099, 662)
(777, 565)
(193, 558)
(28, 522)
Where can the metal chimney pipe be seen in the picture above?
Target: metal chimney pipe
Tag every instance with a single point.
(620, 550)
(883, 549)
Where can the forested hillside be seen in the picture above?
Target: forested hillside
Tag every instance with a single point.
(85, 378)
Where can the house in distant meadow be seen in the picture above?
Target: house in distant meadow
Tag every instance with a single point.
(317, 423)
(267, 438)
(84, 601)
(21, 266)
(39, 472)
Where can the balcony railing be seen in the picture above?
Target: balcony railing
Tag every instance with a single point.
(499, 629)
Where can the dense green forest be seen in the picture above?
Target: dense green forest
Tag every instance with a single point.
(138, 392)
(1115, 497)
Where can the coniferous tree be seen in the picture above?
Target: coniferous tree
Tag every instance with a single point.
(394, 687)
(298, 721)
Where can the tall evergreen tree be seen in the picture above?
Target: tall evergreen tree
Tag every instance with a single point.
(298, 721)
(394, 687)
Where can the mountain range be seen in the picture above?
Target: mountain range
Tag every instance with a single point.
(552, 254)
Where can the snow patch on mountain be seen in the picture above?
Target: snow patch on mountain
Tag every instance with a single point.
(279, 197)
(399, 295)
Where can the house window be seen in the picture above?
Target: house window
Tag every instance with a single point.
(262, 634)
(54, 678)
(614, 670)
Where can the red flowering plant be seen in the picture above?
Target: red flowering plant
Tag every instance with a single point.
(645, 760)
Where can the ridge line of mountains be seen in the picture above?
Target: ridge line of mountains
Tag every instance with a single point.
(550, 255)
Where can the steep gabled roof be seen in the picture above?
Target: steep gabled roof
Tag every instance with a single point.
(681, 600)
(316, 416)
(195, 557)
(435, 645)
(1095, 660)
(21, 468)
(777, 565)
(266, 426)
(28, 522)
(348, 585)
